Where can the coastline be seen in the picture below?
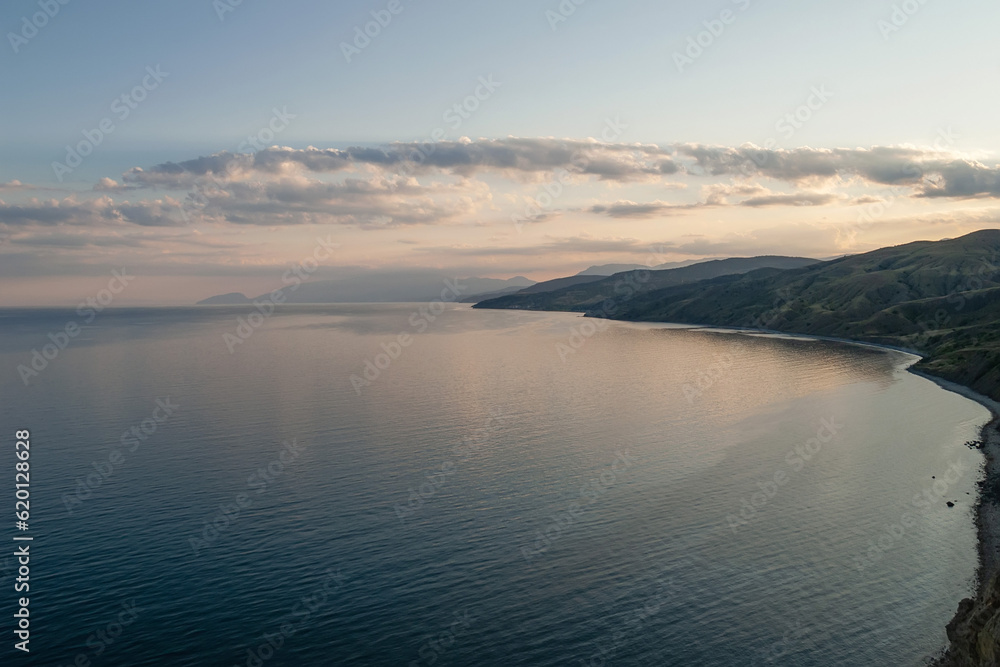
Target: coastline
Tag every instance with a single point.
(974, 631)
(987, 509)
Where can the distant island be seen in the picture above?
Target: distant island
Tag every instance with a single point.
(231, 299)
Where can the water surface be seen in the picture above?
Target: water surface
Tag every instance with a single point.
(510, 489)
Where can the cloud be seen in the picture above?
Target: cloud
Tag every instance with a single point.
(282, 200)
(518, 155)
(630, 209)
(152, 239)
(962, 179)
(64, 240)
(375, 202)
(95, 212)
(929, 172)
(866, 199)
(716, 195)
(190, 173)
(377, 187)
(112, 186)
(719, 194)
(462, 158)
(18, 186)
(553, 246)
(798, 199)
(884, 165)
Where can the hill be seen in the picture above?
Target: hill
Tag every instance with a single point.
(560, 283)
(940, 298)
(474, 298)
(605, 270)
(583, 297)
(612, 269)
(231, 299)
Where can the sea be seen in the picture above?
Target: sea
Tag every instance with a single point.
(398, 484)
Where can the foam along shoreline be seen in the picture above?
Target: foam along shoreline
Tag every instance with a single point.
(772, 333)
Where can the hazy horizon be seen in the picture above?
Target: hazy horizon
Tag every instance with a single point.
(548, 147)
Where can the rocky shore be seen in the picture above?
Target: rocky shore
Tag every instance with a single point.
(974, 632)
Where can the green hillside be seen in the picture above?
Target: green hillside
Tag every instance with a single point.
(582, 297)
(941, 298)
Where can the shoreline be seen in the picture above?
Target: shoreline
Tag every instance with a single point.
(783, 334)
(987, 509)
(972, 638)
(974, 629)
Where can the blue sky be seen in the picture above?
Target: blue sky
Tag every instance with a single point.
(606, 58)
(931, 73)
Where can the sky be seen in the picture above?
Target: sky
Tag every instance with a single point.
(206, 146)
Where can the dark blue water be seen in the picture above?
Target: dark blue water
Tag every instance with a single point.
(507, 489)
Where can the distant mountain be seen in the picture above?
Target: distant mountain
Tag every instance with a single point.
(371, 287)
(612, 269)
(559, 283)
(687, 262)
(231, 299)
(582, 297)
(941, 298)
(537, 288)
(475, 298)
(570, 281)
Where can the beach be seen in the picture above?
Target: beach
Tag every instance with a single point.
(987, 507)
(972, 632)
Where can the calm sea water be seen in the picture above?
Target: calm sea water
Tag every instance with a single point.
(508, 488)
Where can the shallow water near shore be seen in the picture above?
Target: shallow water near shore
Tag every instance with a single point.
(506, 488)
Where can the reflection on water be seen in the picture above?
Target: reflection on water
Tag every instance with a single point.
(501, 489)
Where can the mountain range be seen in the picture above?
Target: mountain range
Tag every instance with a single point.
(582, 293)
(360, 287)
